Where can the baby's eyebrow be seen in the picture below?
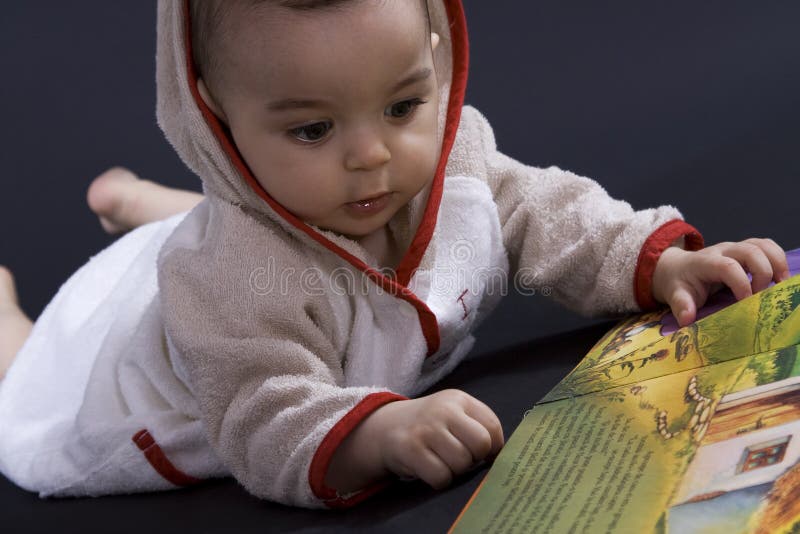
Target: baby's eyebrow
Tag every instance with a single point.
(417, 76)
(295, 103)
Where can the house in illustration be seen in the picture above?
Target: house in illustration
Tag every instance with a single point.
(745, 475)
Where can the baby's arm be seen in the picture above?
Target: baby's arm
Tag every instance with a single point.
(433, 438)
(277, 418)
(270, 403)
(564, 233)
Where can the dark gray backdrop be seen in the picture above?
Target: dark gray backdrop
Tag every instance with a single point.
(688, 103)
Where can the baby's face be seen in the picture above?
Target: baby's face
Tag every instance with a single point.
(335, 111)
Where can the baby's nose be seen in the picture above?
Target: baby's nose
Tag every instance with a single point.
(366, 152)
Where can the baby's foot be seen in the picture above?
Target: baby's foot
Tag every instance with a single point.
(123, 201)
(8, 292)
(114, 197)
(14, 324)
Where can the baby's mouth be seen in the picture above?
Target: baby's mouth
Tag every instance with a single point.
(372, 204)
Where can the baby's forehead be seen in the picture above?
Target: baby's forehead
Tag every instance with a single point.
(260, 45)
(264, 17)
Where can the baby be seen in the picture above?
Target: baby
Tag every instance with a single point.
(358, 223)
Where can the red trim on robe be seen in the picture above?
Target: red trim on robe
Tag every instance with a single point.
(155, 455)
(460, 52)
(330, 443)
(651, 251)
(413, 256)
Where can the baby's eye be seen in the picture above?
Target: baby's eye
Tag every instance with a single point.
(404, 108)
(311, 133)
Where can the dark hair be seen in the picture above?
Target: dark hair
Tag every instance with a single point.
(210, 23)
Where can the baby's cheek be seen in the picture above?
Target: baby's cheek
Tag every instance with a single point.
(423, 149)
(432, 153)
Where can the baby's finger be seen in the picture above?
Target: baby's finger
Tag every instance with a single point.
(452, 452)
(755, 261)
(488, 419)
(428, 467)
(683, 306)
(728, 271)
(475, 437)
(776, 256)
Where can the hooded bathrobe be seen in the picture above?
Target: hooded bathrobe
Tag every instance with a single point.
(236, 340)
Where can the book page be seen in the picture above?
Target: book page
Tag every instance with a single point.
(661, 429)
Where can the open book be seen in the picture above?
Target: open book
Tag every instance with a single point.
(663, 429)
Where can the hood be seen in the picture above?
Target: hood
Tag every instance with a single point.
(204, 145)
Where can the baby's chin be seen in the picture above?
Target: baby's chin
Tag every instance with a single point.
(356, 230)
(356, 234)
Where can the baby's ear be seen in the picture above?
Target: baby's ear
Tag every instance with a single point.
(434, 40)
(205, 94)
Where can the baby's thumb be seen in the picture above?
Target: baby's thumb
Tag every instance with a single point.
(683, 306)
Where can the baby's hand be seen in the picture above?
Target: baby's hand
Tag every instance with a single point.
(437, 437)
(684, 279)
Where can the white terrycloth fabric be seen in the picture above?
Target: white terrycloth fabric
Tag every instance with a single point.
(85, 381)
(243, 342)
